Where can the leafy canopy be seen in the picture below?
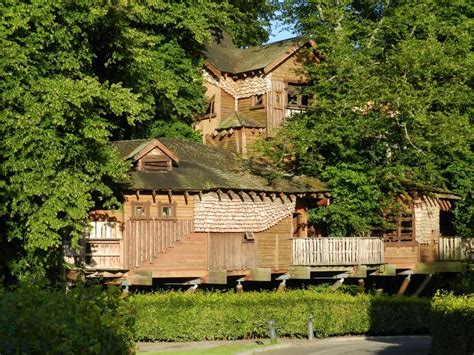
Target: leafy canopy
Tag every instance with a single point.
(74, 75)
(391, 106)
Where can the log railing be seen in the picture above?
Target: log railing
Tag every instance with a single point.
(337, 251)
(148, 238)
(454, 248)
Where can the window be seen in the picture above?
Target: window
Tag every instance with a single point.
(297, 98)
(258, 101)
(140, 210)
(166, 210)
(210, 109)
(157, 163)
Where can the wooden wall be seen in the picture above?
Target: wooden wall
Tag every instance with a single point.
(184, 210)
(274, 246)
(227, 105)
(229, 251)
(288, 70)
(207, 125)
(403, 256)
(258, 114)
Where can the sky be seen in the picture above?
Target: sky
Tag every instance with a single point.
(279, 33)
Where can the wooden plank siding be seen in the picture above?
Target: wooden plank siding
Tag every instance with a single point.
(229, 251)
(404, 257)
(258, 114)
(274, 246)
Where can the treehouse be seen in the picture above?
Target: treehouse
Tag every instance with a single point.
(419, 240)
(199, 213)
(251, 91)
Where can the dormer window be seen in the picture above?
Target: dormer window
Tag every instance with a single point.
(157, 163)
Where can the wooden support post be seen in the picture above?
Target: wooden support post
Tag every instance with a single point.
(379, 292)
(404, 285)
(239, 288)
(337, 284)
(361, 285)
(282, 286)
(423, 285)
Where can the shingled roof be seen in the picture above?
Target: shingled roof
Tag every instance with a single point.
(237, 120)
(204, 168)
(226, 57)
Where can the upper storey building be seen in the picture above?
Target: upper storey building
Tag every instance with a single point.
(250, 91)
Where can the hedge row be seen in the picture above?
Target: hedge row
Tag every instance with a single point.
(48, 321)
(175, 316)
(452, 324)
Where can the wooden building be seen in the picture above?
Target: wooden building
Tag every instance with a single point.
(196, 212)
(251, 91)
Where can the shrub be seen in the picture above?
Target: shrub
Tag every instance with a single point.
(83, 320)
(452, 324)
(177, 316)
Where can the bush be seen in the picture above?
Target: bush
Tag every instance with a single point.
(177, 316)
(452, 324)
(83, 320)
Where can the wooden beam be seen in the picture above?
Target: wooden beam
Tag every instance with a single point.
(137, 193)
(337, 284)
(251, 195)
(300, 272)
(170, 195)
(218, 277)
(200, 195)
(272, 196)
(241, 195)
(423, 285)
(282, 197)
(153, 193)
(186, 197)
(262, 195)
(404, 286)
(259, 274)
(219, 192)
(230, 194)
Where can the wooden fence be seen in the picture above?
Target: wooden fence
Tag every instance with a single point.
(454, 248)
(337, 251)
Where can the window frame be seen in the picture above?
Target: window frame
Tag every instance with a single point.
(145, 205)
(171, 205)
(258, 101)
(211, 105)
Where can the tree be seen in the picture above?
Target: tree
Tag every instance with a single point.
(391, 106)
(75, 75)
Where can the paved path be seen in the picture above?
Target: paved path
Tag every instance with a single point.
(390, 345)
(350, 345)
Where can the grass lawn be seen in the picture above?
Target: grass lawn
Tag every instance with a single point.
(218, 350)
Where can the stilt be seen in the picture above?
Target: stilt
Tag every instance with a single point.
(239, 288)
(338, 283)
(361, 285)
(379, 292)
(282, 286)
(404, 285)
(423, 285)
(192, 289)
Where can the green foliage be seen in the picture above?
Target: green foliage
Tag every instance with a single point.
(74, 75)
(452, 324)
(176, 316)
(47, 321)
(391, 104)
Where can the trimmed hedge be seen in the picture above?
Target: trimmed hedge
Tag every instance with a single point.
(47, 321)
(177, 316)
(452, 324)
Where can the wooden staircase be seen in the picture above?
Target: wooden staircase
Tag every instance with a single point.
(165, 245)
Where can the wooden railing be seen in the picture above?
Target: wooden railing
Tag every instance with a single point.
(148, 238)
(454, 248)
(337, 251)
